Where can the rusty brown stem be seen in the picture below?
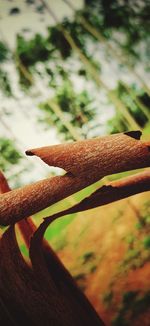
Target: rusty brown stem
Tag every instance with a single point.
(26, 226)
(85, 161)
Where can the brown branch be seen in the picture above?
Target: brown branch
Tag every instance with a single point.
(107, 194)
(115, 191)
(86, 161)
(48, 273)
(26, 226)
(102, 156)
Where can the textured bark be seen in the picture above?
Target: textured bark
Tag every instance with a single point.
(44, 291)
(85, 161)
(26, 226)
(102, 156)
(107, 194)
(116, 190)
(32, 299)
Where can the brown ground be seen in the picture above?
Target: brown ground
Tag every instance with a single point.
(107, 250)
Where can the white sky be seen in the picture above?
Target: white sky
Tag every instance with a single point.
(10, 25)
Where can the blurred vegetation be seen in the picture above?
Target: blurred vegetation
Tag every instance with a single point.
(70, 53)
(73, 52)
(5, 83)
(133, 305)
(77, 109)
(9, 154)
(4, 52)
(70, 50)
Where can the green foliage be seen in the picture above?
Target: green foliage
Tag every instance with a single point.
(40, 9)
(146, 242)
(5, 83)
(116, 124)
(59, 226)
(24, 250)
(92, 12)
(138, 253)
(78, 34)
(79, 105)
(144, 222)
(4, 52)
(145, 99)
(58, 40)
(32, 51)
(9, 154)
(65, 96)
(134, 109)
(24, 81)
(131, 20)
(122, 15)
(133, 305)
(50, 118)
(139, 226)
(78, 109)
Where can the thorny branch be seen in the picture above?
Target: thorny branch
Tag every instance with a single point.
(85, 161)
(45, 290)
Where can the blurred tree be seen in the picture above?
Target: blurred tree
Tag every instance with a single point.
(67, 109)
(5, 83)
(27, 54)
(124, 17)
(70, 112)
(57, 39)
(133, 106)
(9, 154)
(4, 79)
(38, 49)
(4, 52)
(116, 124)
(64, 38)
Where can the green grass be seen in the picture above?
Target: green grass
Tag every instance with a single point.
(24, 250)
(58, 226)
(146, 242)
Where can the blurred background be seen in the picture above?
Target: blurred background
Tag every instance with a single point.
(72, 70)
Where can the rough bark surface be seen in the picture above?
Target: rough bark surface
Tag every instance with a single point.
(26, 226)
(44, 291)
(99, 156)
(87, 161)
(107, 194)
